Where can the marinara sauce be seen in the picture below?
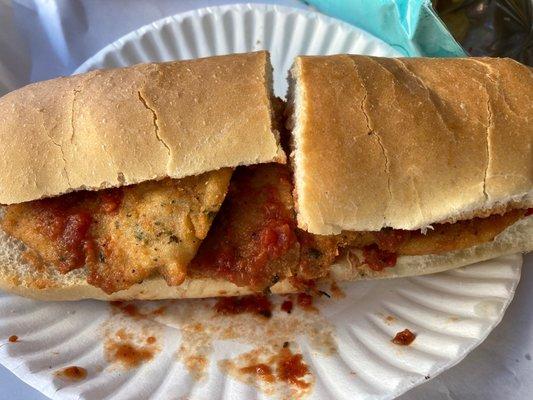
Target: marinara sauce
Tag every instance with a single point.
(67, 220)
(253, 236)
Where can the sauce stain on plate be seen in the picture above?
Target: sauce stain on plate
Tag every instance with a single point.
(129, 350)
(72, 373)
(259, 321)
(276, 371)
(262, 324)
(130, 334)
(404, 338)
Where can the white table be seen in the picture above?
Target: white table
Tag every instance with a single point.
(500, 368)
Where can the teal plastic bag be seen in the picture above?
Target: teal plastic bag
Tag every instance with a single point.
(410, 26)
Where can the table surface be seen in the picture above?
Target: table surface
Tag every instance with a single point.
(500, 368)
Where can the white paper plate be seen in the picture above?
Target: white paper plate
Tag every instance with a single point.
(347, 344)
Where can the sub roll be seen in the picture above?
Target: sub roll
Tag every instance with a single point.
(190, 179)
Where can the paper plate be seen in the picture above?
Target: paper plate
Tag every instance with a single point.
(185, 350)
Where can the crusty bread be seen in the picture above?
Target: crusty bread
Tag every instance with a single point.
(122, 126)
(405, 143)
(19, 277)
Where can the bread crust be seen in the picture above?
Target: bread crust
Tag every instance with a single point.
(408, 142)
(117, 127)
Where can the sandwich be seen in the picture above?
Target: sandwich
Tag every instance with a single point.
(416, 165)
(171, 180)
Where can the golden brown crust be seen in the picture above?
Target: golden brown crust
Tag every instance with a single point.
(123, 126)
(406, 143)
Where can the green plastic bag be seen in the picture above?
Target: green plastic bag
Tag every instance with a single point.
(410, 26)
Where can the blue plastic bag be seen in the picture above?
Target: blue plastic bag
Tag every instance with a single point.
(410, 26)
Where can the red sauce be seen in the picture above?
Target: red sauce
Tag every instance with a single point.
(13, 338)
(404, 338)
(67, 220)
(131, 310)
(72, 373)
(391, 239)
(254, 304)
(69, 227)
(262, 371)
(128, 354)
(529, 212)
(287, 306)
(151, 340)
(291, 368)
(336, 291)
(378, 259)
(281, 367)
(305, 301)
(110, 200)
(254, 230)
(275, 239)
(159, 311)
(303, 284)
(127, 308)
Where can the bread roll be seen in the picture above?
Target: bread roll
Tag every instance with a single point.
(123, 126)
(408, 142)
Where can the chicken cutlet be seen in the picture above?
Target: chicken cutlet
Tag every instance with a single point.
(127, 234)
(381, 248)
(122, 235)
(255, 242)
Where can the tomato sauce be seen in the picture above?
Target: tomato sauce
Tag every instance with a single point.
(404, 338)
(391, 239)
(378, 259)
(69, 227)
(253, 232)
(151, 340)
(73, 373)
(283, 366)
(262, 371)
(67, 220)
(129, 309)
(254, 304)
(305, 302)
(287, 306)
(128, 354)
(110, 200)
(291, 368)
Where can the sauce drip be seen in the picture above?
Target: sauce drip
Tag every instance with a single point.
(128, 354)
(262, 371)
(287, 306)
(305, 302)
(404, 338)
(129, 309)
(13, 338)
(378, 259)
(282, 367)
(72, 373)
(151, 340)
(254, 304)
(291, 368)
